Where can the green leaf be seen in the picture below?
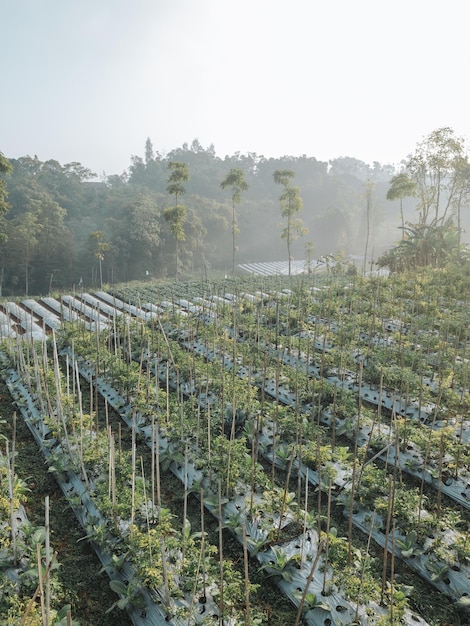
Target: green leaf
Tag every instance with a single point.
(118, 587)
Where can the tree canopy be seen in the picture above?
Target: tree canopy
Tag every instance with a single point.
(50, 211)
(235, 179)
(438, 175)
(291, 204)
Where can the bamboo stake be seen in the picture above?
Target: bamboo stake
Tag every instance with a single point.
(185, 502)
(48, 559)
(196, 578)
(82, 463)
(90, 392)
(119, 442)
(153, 460)
(146, 510)
(232, 438)
(392, 573)
(67, 375)
(60, 412)
(304, 530)
(133, 446)
(11, 485)
(319, 472)
(106, 413)
(112, 476)
(36, 593)
(275, 424)
(164, 573)
(208, 434)
(254, 439)
(307, 584)
(286, 489)
(363, 569)
(167, 389)
(247, 579)
(41, 585)
(333, 421)
(439, 484)
(80, 408)
(44, 389)
(327, 543)
(351, 510)
(157, 465)
(203, 548)
(38, 382)
(366, 451)
(221, 560)
(391, 491)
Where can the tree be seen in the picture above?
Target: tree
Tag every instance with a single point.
(435, 169)
(235, 179)
(23, 238)
(430, 245)
(143, 219)
(149, 154)
(176, 216)
(77, 171)
(99, 248)
(5, 168)
(134, 235)
(195, 245)
(370, 185)
(291, 204)
(213, 241)
(401, 187)
(56, 250)
(179, 174)
(463, 193)
(309, 250)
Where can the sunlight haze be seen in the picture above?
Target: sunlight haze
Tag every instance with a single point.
(90, 81)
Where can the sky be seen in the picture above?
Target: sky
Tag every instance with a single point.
(91, 80)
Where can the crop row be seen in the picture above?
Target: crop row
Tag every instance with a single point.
(183, 384)
(269, 562)
(225, 362)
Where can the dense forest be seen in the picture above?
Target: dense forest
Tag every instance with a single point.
(64, 227)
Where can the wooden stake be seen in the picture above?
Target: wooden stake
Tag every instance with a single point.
(48, 559)
(247, 579)
(307, 584)
(221, 561)
(36, 593)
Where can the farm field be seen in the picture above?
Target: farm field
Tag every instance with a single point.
(252, 450)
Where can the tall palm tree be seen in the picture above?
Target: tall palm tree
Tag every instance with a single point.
(176, 216)
(236, 180)
(291, 204)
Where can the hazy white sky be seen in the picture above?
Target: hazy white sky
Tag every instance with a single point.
(90, 80)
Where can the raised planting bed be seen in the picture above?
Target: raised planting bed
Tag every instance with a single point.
(144, 605)
(233, 511)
